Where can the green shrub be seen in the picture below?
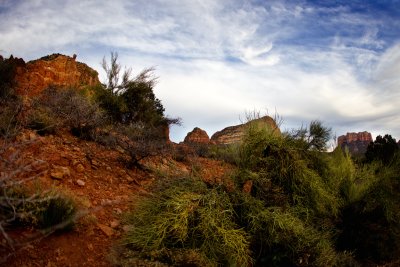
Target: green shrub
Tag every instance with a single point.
(42, 209)
(10, 125)
(56, 108)
(382, 149)
(227, 153)
(43, 121)
(279, 238)
(185, 214)
(369, 220)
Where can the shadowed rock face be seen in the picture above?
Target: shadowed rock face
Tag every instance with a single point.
(56, 69)
(357, 143)
(234, 134)
(198, 136)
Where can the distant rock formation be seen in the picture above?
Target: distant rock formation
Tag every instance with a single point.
(234, 134)
(356, 143)
(197, 136)
(56, 69)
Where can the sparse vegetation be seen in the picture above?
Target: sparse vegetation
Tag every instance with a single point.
(65, 108)
(287, 202)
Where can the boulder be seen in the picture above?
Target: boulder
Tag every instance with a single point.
(234, 134)
(59, 172)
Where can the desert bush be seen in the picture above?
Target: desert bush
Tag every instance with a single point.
(281, 163)
(227, 153)
(184, 214)
(279, 238)
(130, 100)
(10, 103)
(58, 108)
(141, 142)
(23, 205)
(369, 220)
(10, 124)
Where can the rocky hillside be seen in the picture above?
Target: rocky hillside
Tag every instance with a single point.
(56, 69)
(356, 143)
(234, 134)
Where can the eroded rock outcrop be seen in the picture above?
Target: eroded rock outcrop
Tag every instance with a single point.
(197, 136)
(234, 134)
(56, 69)
(356, 143)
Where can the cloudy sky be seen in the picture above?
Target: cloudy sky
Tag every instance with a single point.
(336, 61)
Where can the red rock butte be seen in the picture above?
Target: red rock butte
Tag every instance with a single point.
(356, 143)
(56, 69)
(352, 137)
(197, 136)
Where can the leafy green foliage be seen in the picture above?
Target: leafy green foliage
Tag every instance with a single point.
(10, 103)
(182, 215)
(291, 205)
(383, 149)
(131, 100)
(316, 137)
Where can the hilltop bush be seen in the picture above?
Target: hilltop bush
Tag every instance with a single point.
(130, 100)
(65, 108)
(382, 149)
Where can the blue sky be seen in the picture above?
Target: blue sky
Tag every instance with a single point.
(336, 61)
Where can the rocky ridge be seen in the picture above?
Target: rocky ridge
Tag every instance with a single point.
(234, 134)
(56, 69)
(356, 143)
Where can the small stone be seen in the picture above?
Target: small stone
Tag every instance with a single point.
(114, 224)
(80, 182)
(80, 168)
(108, 168)
(76, 149)
(60, 172)
(108, 231)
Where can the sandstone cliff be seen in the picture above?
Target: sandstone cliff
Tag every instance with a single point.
(357, 143)
(197, 136)
(56, 69)
(234, 134)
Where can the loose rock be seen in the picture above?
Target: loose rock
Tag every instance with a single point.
(80, 182)
(108, 231)
(60, 172)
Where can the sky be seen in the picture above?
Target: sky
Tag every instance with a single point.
(333, 61)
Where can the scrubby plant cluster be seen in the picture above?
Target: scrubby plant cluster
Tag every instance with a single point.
(125, 114)
(22, 204)
(292, 205)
